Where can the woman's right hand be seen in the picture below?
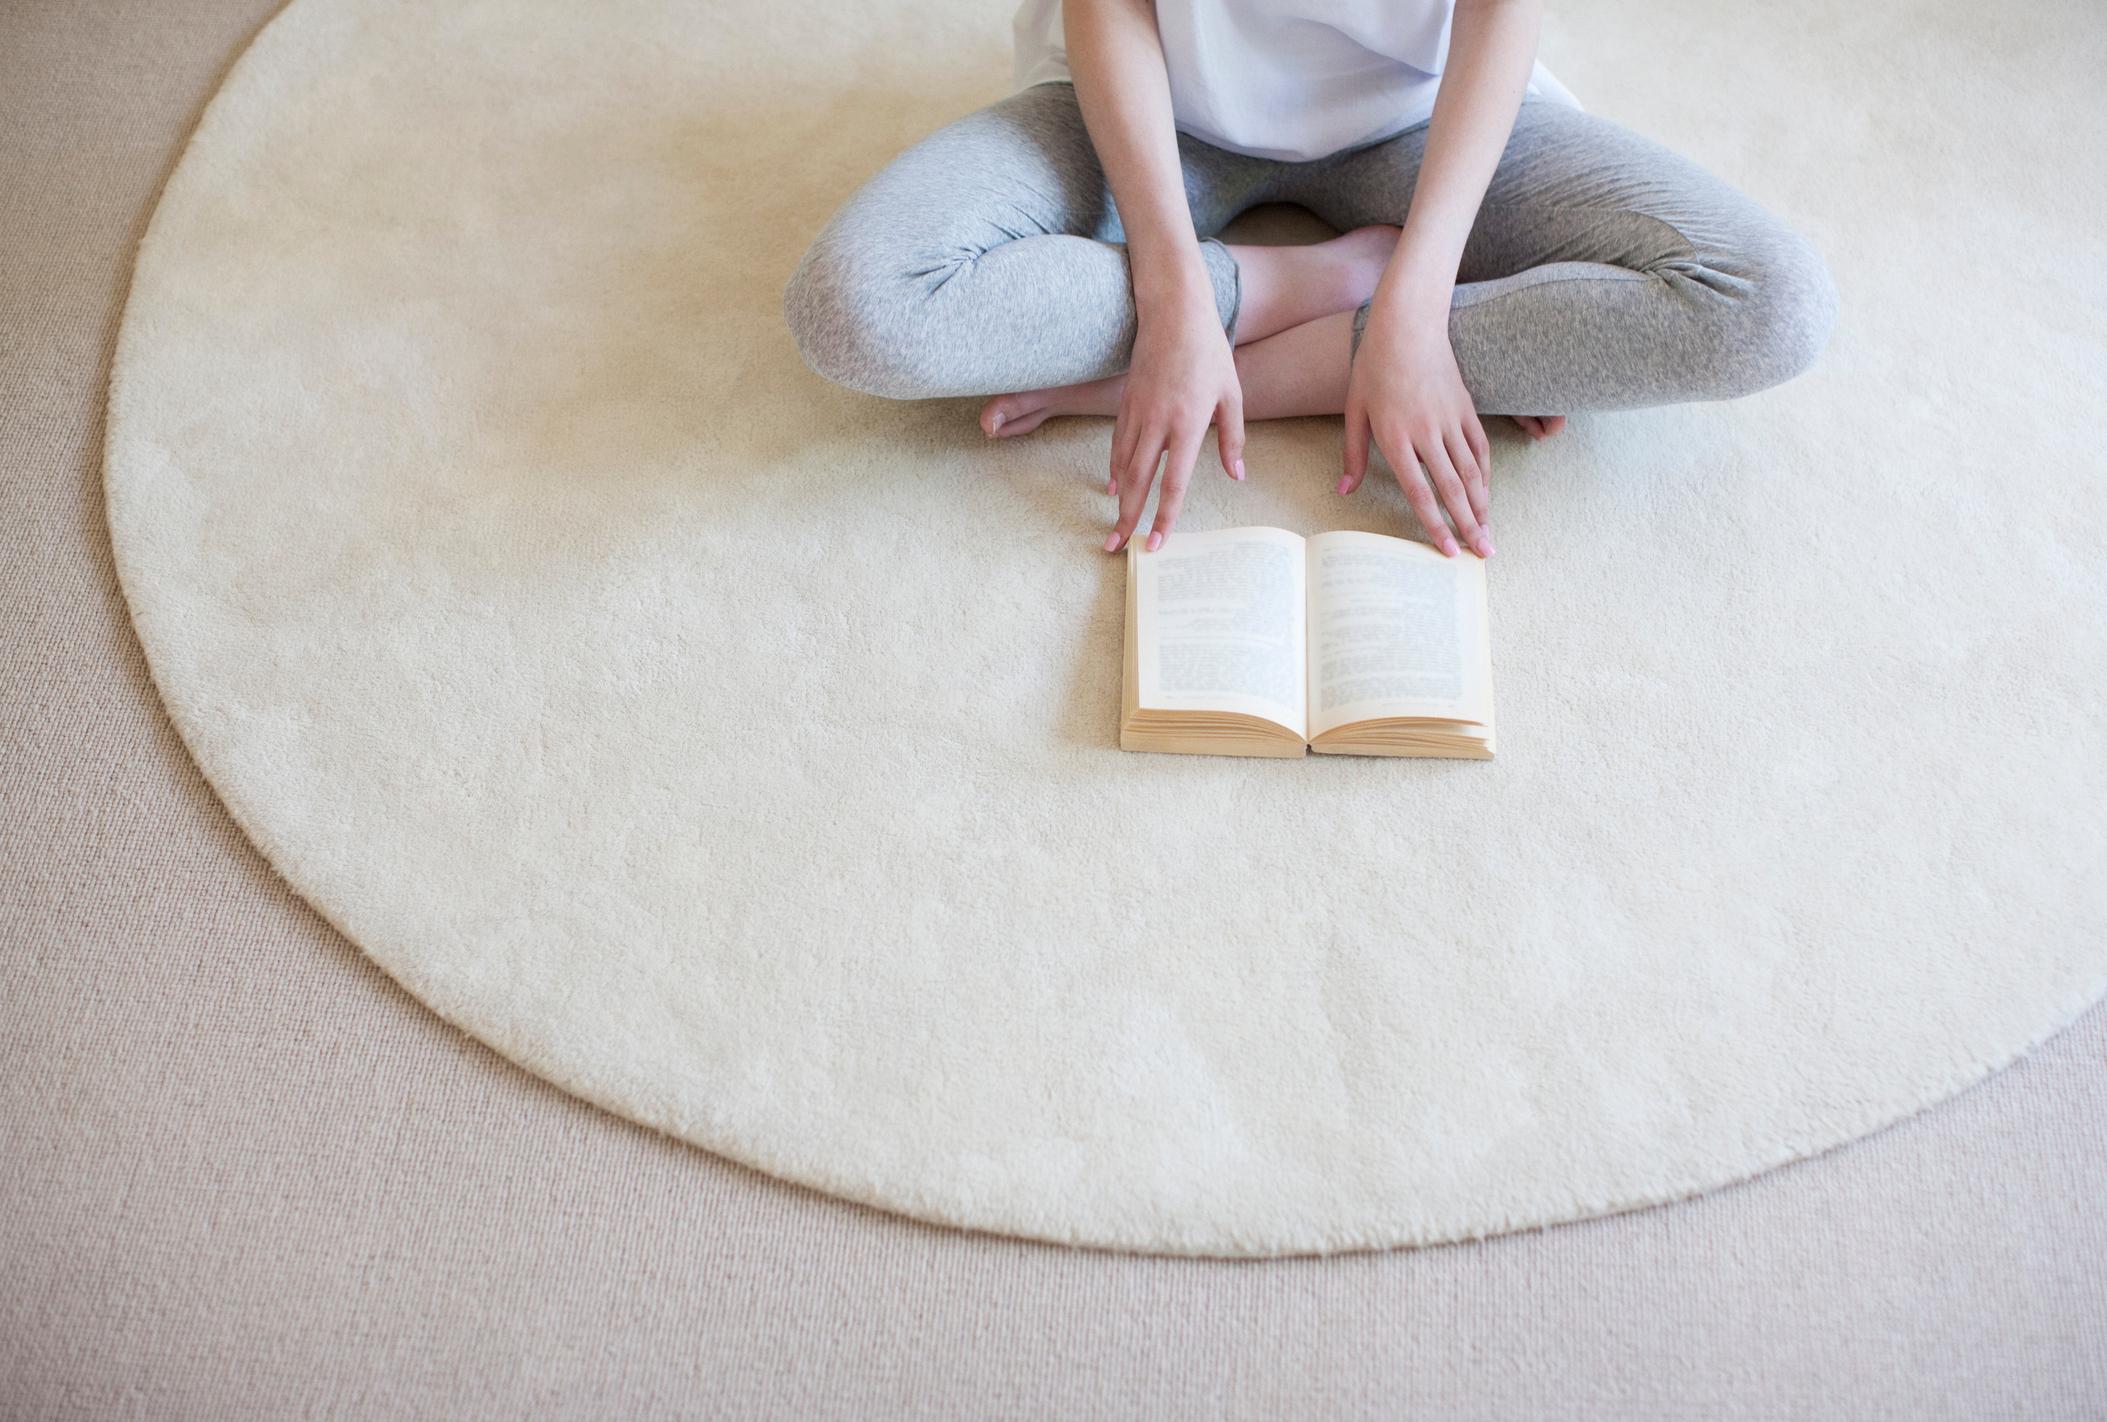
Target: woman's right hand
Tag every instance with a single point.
(1182, 378)
(1181, 374)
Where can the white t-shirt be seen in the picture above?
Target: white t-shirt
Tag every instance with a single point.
(1286, 79)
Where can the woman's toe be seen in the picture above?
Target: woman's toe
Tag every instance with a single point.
(1009, 415)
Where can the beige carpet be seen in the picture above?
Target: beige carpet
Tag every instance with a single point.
(247, 1176)
(737, 752)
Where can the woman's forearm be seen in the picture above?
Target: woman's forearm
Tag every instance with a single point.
(1115, 58)
(1492, 46)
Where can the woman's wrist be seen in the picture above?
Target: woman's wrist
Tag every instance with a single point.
(1419, 282)
(1170, 280)
(1413, 301)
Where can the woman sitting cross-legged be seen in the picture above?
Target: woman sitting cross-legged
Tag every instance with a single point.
(1503, 252)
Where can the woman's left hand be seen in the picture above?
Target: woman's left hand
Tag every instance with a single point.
(1406, 393)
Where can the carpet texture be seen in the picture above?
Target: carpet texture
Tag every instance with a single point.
(737, 752)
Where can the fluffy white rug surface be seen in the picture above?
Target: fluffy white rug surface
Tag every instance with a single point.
(739, 753)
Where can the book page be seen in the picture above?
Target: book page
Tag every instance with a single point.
(1220, 623)
(1395, 630)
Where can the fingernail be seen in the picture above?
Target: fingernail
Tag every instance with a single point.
(1240, 469)
(1155, 541)
(1112, 487)
(1343, 482)
(1112, 541)
(1448, 547)
(1484, 546)
(995, 425)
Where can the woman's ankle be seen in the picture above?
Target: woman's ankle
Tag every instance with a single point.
(1289, 286)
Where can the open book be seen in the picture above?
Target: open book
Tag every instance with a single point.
(1257, 641)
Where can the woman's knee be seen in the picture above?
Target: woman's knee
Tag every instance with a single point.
(851, 312)
(828, 308)
(1784, 316)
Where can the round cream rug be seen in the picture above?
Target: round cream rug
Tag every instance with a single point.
(739, 753)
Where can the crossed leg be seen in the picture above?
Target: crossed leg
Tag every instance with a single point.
(1604, 272)
(1298, 304)
(1302, 370)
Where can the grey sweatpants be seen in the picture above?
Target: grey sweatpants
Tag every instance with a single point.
(1603, 272)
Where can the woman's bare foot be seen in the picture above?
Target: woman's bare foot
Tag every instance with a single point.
(1539, 426)
(1007, 415)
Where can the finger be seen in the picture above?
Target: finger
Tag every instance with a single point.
(1449, 484)
(1481, 450)
(1126, 429)
(1474, 429)
(1466, 461)
(1356, 451)
(1553, 424)
(1134, 482)
(1530, 425)
(1229, 435)
(1419, 494)
(1177, 473)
